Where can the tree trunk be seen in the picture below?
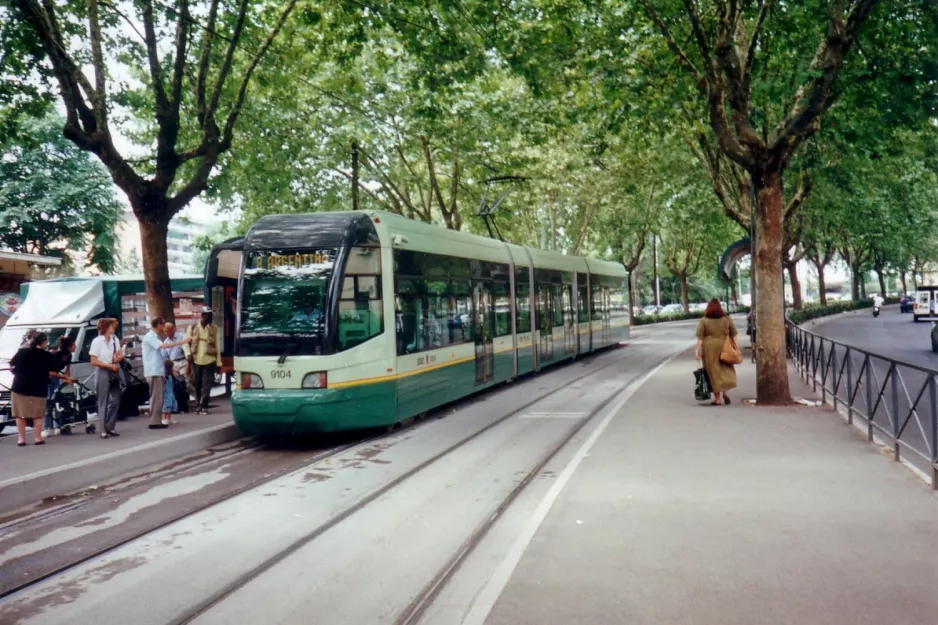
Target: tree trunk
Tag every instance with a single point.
(797, 301)
(771, 361)
(914, 281)
(882, 283)
(821, 284)
(905, 284)
(685, 292)
(156, 267)
(632, 278)
(654, 263)
(862, 286)
(855, 283)
(734, 294)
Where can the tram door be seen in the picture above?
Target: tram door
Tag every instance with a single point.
(483, 331)
(545, 323)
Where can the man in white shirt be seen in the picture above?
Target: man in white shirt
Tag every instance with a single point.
(155, 371)
(877, 301)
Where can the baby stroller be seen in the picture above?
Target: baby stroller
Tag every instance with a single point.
(70, 405)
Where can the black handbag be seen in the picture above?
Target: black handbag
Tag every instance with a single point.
(702, 389)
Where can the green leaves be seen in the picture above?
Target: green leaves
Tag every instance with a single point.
(55, 199)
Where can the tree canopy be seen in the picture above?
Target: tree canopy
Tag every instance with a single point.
(614, 127)
(55, 199)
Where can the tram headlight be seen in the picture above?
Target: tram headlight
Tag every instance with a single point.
(251, 381)
(314, 380)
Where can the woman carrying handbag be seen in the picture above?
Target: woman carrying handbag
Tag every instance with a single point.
(718, 352)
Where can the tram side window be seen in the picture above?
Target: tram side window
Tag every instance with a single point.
(522, 302)
(439, 316)
(502, 308)
(411, 314)
(617, 304)
(460, 312)
(361, 315)
(596, 303)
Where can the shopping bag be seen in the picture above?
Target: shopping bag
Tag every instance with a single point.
(730, 354)
(701, 385)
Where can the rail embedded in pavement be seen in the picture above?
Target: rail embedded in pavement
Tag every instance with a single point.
(874, 389)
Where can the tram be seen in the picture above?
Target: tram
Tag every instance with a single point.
(361, 319)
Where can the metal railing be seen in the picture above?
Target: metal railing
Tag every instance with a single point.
(876, 390)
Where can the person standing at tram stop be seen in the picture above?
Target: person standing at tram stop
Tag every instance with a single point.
(711, 334)
(32, 367)
(173, 348)
(106, 357)
(204, 356)
(154, 369)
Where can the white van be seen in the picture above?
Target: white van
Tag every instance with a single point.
(926, 303)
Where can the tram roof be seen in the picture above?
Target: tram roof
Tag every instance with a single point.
(334, 229)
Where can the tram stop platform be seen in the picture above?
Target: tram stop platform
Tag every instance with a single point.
(66, 464)
(688, 514)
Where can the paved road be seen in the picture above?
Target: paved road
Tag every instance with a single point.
(893, 335)
(890, 336)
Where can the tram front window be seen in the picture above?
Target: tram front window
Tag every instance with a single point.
(284, 302)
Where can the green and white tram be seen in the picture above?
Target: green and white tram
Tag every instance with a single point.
(361, 319)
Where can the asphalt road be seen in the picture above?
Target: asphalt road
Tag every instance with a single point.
(876, 386)
(892, 334)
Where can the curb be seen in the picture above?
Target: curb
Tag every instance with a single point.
(35, 487)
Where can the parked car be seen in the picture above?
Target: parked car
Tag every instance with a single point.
(907, 304)
(672, 309)
(651, 310)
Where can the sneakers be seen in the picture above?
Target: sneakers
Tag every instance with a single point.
(172, 421)
(165, 423)
(47, 433)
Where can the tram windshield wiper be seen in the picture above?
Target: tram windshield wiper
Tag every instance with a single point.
(291, 347)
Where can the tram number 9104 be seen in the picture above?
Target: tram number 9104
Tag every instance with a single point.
(280, 374)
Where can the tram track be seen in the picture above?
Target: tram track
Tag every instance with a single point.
(415, 611)
(76, 506)
(252, 574)
(416, 608)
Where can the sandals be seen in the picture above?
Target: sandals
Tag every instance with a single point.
(104, 435)
(39, 443)
(21, 444)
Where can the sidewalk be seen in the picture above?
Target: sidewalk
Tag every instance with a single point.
(685, 514)
(68, 463)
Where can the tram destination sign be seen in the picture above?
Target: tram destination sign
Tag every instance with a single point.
(309, 258)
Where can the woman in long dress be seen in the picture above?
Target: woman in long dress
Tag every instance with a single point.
(711, 333)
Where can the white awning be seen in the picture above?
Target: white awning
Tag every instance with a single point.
(35, 259)
(54, 303)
